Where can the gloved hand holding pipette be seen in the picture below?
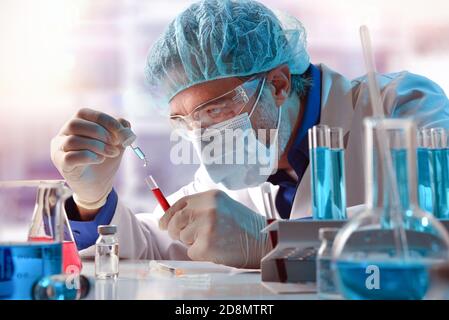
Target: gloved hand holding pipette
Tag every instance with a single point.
(87, 152)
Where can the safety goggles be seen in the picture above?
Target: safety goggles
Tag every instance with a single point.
(221, 108)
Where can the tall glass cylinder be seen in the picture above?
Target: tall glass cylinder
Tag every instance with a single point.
(326, 153)
(386, 251)
(338, 173)
(424, 172)
(439, 166)
(321, 183)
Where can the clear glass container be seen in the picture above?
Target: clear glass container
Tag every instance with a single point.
(326, 153)
(106, 253)
(424, 173)
(439, 168)
(326, 286)
(38, 232)
(386, 251)
(337, 151)
(32, 232)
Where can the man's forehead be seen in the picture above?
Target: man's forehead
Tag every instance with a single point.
(186, 101)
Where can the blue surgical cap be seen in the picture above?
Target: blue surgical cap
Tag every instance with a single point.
(215, 39)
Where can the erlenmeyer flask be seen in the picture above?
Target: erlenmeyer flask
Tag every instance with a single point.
(23, 262)
(385, 251)
(41, 226)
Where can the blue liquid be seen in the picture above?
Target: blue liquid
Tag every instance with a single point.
(398, 280)
(328, 184)
(399, 162)
(424, 180)
(399, 158)
(338, 177)
(22, 265)
(439, 159)
(320, 160)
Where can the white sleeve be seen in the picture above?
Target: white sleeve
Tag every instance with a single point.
(408, 95)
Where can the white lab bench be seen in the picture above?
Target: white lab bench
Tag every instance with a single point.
(136, 281)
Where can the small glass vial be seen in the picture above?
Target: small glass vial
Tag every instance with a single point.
(106, 253)
(326, 285)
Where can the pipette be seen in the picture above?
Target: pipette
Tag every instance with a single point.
(378, 111)
(139, 153)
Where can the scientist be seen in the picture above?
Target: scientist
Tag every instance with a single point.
(230, 65)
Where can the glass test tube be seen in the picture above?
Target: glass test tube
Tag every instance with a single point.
(157, 192)
(423, 174)
(338, 173)
(439, 167)
(319, 143)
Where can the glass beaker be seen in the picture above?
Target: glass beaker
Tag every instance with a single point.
(45, 198)
(24, 262)
(386, 251)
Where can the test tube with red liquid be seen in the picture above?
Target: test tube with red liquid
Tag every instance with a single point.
(157, 192)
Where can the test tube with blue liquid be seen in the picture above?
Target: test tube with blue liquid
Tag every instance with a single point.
(338, 173)
(425, 194)
(327, 173)
(439, 166)
(320, 161)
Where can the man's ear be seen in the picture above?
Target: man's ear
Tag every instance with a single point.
(280, 80)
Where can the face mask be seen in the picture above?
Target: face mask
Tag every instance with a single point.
(232, 154)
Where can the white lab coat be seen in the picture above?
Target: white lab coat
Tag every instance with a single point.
(344, 103)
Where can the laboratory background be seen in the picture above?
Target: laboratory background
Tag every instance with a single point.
(59, 55)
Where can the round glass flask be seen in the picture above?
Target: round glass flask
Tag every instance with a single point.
(387, 250)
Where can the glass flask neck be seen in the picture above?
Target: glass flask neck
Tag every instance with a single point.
(390, 162)
(49, 219)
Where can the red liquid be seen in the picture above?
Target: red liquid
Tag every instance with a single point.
(282, 272)
(161, 199)
(71, 261)
(71, 258)
(273, 234)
